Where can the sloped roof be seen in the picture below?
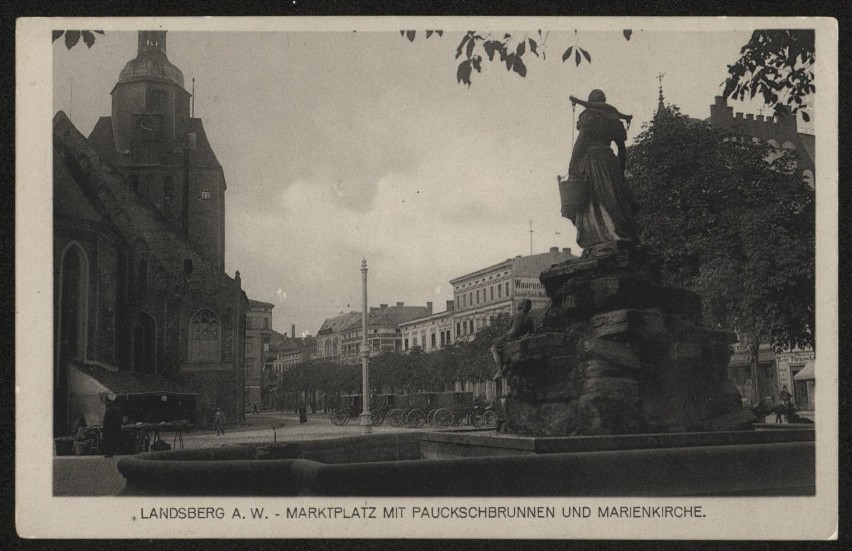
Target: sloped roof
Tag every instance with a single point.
(103, 140)
(533, 265)
(259, 304)
(394, 315)
(127, 383)
(338, 323)
(68, 197)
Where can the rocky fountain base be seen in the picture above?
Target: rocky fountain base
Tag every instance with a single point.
(619, 353)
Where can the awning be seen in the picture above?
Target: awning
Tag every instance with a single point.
(806, 373)
(128, 383)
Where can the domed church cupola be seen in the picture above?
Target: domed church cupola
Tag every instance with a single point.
(149, 103)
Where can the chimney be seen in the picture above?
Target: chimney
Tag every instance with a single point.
(750, 116)
(566, 250)
(429, 308)
(554, 250)
(451, 304)
(383, 306)
(400, 304)
(293, 331)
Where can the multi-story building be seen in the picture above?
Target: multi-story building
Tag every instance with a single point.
(340, 338)
(258, 338)
(482, 295)
(780, 132)
(139, 252)
(429, 333)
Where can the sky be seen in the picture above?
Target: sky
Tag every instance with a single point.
(338, 146)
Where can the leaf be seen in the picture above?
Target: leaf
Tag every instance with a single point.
(522, 47)
(533, 47)
(470, 46)
(57, 34)
(428, 34)
(461, 45)
(519, 67)
(805, 116)
(567, 53)
(410, 35)
(490, 47)
(477, 63)
(71, 38)
(439, 33)
(463, 72)
(100, 32)
(627, 33)
(510, 60)
(577, 57)
(88, 38)
(402, 33)
(586, 55)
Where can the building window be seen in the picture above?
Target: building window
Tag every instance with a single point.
(507, 289)
(204, 337)
(205, 194)
(470, 297)
(406, 344)
(458, 328)
(433, 340)
(492, 292)
(134, 182)
(187, 266)
(499, 291)
(477, 296)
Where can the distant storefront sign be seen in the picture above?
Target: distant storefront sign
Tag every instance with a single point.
(529, 287)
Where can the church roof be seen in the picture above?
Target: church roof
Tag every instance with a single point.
(103, 140)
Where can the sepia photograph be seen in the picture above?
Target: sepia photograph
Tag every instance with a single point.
(394, 277)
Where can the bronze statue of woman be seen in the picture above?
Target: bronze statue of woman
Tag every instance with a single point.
(604, 211)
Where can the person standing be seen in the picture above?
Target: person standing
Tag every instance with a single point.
(785, 407)
(111, 429)
(219, 421)
(254, 409)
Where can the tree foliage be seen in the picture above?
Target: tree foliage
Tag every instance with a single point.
(734, 222)
(507, 49)
(778, 65)
(73, 37)
(401, 373)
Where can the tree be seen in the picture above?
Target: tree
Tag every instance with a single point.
(775, 63)
(508, 49)
(733, 222)
(73, 37)
(778, 65)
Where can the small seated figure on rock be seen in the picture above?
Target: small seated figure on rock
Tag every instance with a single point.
(521, 325)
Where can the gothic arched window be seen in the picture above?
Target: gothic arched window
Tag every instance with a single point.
(204, 337)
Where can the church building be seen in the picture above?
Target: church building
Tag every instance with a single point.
(143, 306)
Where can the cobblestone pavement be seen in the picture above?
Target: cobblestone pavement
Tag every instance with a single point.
(280, 427)
(95, 475)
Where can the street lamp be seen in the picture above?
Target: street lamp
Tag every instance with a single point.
(365, 354)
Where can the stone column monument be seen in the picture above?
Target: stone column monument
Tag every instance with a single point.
(618, 352)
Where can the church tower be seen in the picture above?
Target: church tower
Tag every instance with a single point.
(162, 151)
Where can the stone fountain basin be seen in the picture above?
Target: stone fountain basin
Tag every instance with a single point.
(481, 463)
